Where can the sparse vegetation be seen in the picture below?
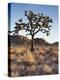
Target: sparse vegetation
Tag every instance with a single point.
(43, 60)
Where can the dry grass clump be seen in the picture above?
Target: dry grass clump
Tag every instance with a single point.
(29, 57)
(47, 69)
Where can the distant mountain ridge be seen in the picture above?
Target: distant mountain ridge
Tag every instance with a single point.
(19, 39)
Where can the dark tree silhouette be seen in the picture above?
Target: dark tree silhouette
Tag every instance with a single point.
(36, 22)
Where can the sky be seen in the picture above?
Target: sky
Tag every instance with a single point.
(17, 12)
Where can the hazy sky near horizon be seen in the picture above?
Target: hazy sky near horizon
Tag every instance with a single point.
(17, 12)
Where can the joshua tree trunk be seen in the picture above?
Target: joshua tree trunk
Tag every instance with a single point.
(32, 43)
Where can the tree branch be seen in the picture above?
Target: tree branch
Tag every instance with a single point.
(11, 31)
(37, 31)
(26, 29)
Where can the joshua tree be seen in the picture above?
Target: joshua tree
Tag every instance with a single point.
(36, 22)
